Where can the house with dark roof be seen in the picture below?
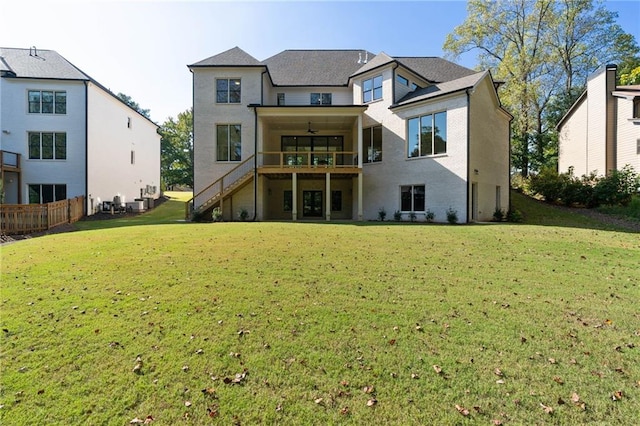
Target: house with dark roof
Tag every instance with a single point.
(601, 130)
(64, 135)
(346, 134)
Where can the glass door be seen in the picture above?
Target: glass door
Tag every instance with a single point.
(312, 203)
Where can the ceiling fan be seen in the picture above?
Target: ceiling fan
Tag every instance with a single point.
(313, 132)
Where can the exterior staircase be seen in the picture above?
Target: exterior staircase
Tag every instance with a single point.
(211, 196)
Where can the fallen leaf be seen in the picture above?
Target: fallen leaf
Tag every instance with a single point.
(318, 400)
(617, 395)
(136, 421)
(500, 382)
(437, 369)
(558, 380)
(392, 342)
(372, 402)
(547, 409)
(552, 360)
(279, 407)
(187, 403)
(462, 410)
(185, 368)
(209, 391)
(498, 372)
(497, 422)
(368, 389)
(344, 411)
(148, 420)
(575, 398)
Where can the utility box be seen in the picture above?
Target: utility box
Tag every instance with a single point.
(135, 206)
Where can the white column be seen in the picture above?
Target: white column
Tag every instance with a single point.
(294, 196)
(328, 196)
(360, 214)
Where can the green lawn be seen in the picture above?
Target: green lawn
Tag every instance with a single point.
(317, 323)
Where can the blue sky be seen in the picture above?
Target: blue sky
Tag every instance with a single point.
(142, 48)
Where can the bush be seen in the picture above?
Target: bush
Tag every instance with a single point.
(514, 215)
(243, 214)
(452, 216)
(498, 214)
(412, 216)
(216, 214)
(548, 183)
(397, 216)
(430, 216)
(617, 188)
(382, 213)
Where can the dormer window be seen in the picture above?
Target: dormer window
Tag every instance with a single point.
(372, 89)
(400, 79)
(636, 108)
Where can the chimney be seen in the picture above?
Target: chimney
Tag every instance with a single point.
(611, 119)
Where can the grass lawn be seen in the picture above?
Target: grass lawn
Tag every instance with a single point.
(318, 323)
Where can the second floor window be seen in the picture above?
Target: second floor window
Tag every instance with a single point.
(372, 144)
(47, 102)
(47, 146)
(228, 90)
(229, 142)
(372, 89)
(280, 98)
(321, 99)
(427, 135)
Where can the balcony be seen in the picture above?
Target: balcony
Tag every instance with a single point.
(275, 162)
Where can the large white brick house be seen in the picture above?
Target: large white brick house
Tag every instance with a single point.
(65, 135)
(342, 134)
(601, 130)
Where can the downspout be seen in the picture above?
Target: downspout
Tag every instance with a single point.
(255, 149)
(468, 148)
(393, 82)
(86, 145)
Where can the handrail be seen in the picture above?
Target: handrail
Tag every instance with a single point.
(326, 159)
(222, 184)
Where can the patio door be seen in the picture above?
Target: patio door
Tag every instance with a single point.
(312, 203)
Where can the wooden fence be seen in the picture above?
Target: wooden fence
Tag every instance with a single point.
(27, 218)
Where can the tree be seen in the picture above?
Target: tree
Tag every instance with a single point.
(176, 150)
(127, 100)
(541, 49)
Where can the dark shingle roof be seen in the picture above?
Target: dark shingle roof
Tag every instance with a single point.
(435, 69)
(38, 63)
(233, 57)
(440, 89)
(315, 67)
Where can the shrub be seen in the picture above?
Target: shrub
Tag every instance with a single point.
(397, 216)
(382, 213)
(430, 216)
(498, 214)
(617, 188)
(197, 216)
(412, 216)
(514, 215)
(452, 216)
(243, 214)
(548, 183)
(216, 214)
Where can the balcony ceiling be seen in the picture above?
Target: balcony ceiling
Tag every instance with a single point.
(322, 124)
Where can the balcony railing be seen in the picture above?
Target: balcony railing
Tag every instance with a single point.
(9, 160)
(308, 159)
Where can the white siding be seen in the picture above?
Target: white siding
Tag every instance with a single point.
(596, 124)
(17, 122)
(572, 141)
(627, 137)
(114, 131)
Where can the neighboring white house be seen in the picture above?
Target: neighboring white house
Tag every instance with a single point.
(601, 131)
(64, 135)
(343, 134)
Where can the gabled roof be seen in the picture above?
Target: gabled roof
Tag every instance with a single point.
(435, 69)
(380, 60)
(234, 57)
(440, 89)
(315, 67)
(38, 63)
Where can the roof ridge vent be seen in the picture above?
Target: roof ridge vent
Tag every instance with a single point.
(366, 57)
(359, 57)
(33, 51)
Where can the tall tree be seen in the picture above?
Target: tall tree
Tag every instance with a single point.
(133, 104)
(176, 150)
(542, 49)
